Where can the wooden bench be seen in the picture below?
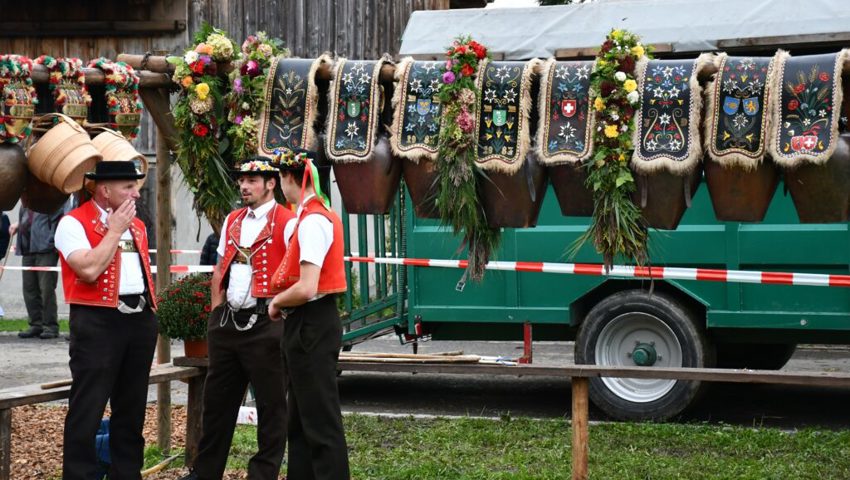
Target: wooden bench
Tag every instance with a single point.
(33, 394)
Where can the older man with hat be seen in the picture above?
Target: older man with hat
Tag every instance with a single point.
(311, 275)
(244, 345)
(106, 275)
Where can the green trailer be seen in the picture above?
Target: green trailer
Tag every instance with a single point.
(617, 321)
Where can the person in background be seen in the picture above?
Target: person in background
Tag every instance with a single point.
(35, 245)
(107, 280)
(208, 254)
(312, 273)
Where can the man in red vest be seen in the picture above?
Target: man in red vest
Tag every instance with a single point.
(244, 346)
(106, 276)
(311, 275)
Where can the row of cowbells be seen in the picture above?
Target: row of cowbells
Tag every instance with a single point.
(54, 167)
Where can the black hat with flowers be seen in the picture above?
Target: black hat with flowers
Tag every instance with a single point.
(261, 166)
(290, 160)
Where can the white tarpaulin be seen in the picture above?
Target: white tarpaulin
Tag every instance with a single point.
(685, 25)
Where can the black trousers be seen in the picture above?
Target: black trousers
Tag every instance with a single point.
(237, 358)
(311, 342)
(111, 355)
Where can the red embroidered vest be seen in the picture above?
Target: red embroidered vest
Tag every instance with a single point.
(104, 291)
(332, 275)
(267, 251)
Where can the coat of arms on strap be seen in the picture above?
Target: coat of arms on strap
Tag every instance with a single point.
(416, 115)
(502, 128)
(291, 99)
(565, 129)
(356, 98)
(738, 110)
(667, 128)
(806, 108)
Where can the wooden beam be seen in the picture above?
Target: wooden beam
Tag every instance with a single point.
(6, 444)
(163, 279)
(157, 103)
(579, 427)
(95, 76)
(111, 28)
(194, 411)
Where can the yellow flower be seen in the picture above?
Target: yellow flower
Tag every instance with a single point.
(611, 131)
(616, 34)
(622, 157)
(187, 81)
(202, 90)
(601, 63)
(630, 85)
(598, 104)
(638, 50)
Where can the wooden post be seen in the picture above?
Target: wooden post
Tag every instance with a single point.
(193, 418)
(163, 279)
(579, 422)
(5, 443)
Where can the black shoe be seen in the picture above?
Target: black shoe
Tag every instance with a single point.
(190, 476)
(47, 335)
(30, 333)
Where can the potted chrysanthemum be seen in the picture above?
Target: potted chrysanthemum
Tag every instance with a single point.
(184, 308)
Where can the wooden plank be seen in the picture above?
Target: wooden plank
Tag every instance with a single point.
(163, 261)
(590, 52)
(787, 41)
(579, 427)
(5, 444)
(194, 411)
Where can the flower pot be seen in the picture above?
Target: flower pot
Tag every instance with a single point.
(41, 197)
(664, 197)
(514, 200)
(63, 155)
(421, 181)
(740, 195)
(821, 193)
(369, 187)
(113, 146)
(195, 348)
(13, 174)
(575, 199)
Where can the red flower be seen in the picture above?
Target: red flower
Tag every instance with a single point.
(606, 87)
(799, 89)
(461, 49)
(200, 130)
(480, 50)
(207, 308)
(824, 77)
(467, 70)
(197, 67)
(607, 46)
(793, 104)
(627, 64)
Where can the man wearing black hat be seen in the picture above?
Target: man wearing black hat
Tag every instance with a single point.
(311, 275)
(244, 345)
(107, 280)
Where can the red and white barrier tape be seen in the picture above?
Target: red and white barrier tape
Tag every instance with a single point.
(617, 271)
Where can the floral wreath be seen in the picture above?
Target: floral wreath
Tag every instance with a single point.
(122, 96)
(15, 73)
(246, 98)
(457, 195)
(256, 166)
(199, 118)
(70, 70)
(617, 226)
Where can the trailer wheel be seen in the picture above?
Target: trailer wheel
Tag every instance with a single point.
(756, 356)
(635, 328)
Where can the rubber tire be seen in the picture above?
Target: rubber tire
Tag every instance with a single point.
(696, 352)
(755, 356)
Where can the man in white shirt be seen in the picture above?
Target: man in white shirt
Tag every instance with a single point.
(103, 250)
(244, 345)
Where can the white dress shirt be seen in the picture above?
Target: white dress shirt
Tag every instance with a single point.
(239, 285)
(315, 235)
(71, 238)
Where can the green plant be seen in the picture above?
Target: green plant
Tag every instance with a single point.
(617, 227)
(183, 308)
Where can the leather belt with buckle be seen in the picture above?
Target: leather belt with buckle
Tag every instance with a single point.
(127, 246)
(124, 302)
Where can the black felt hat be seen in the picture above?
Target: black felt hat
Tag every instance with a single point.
(115, 170)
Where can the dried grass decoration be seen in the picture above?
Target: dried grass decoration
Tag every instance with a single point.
(122, 96)
(457, 195)
(246, 98)
(68, 86)
(200, 118)
(617, 227)
(19, 98)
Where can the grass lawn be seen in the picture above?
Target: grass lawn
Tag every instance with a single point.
(20, 324)
(519, 449)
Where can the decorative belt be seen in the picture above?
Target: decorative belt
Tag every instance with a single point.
(126, 309)
(242, 255)
(127, 246)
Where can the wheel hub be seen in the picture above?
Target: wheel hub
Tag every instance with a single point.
(644, 355)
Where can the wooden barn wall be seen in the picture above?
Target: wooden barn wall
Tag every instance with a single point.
(358, 29)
